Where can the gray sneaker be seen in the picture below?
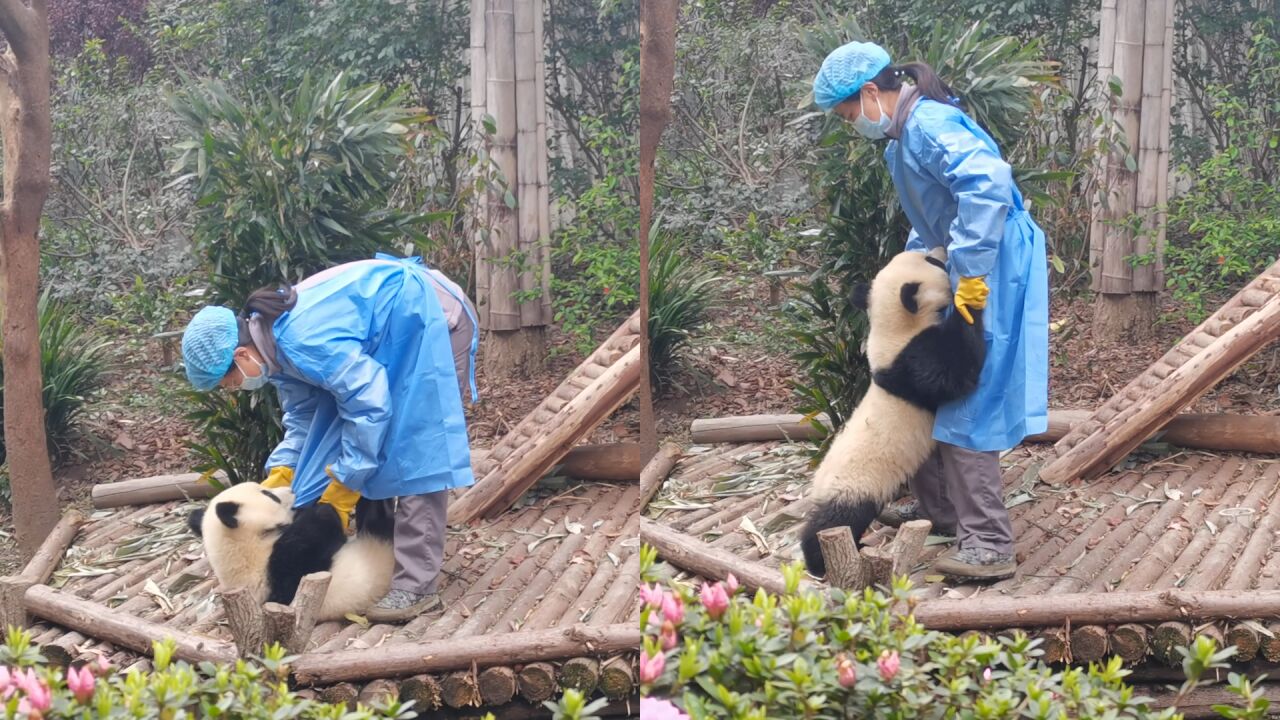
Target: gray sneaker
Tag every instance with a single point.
(976, 564)
(401, 605)
(895, 515)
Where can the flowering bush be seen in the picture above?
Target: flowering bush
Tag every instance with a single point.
(715, 652)
(176, 689)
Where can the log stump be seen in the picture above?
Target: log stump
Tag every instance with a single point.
(423, 691)
(1166, 639)
(617, 679)
(1246, 640)
(497, 685)
(1088, 643)
(581, 673)
(537, 682)
(378, 693)
(1130, 642)
(459, 689)
(343, 693)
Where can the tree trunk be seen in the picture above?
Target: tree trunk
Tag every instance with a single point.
(1131, 316)
(657, 77)
(25, 126)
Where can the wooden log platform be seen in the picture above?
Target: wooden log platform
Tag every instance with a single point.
(1109, 567)
(544, 587)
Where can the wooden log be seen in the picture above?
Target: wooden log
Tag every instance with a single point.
(537, 682)
(306, 606)
(698, 557)
(617, 679)
(1129, 641)
(497, 685)
(1246, 640)
(404, 659)
(581, 673)
(756, 428)
(1167, 638)
(655, 472)
(908, 544)
(1001, 612)
(155, 489)
(50, 552)
(120, 629)
(343, 693)
(1271, 643)
(459, 689)
(245, 619)
(618, 461)
(1200, 703)
(1202, 431)
(1053, 644)
(840, 554)
(505, 484)
(13, 606)
(62, 650)
(278, 622)
(877, 566)
(378, 693)
(1214, 633)
(1105, 448)
(1088, 643)
(423, 690)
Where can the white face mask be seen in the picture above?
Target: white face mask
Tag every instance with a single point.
(868, 129)
(251, 383)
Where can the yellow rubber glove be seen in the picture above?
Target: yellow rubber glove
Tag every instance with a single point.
(971, 293)
(280, 476)
(342, 498)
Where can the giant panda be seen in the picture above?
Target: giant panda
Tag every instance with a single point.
(920, 357)
(253, 538)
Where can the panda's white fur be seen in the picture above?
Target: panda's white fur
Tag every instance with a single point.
(242, 532)
(917, 361)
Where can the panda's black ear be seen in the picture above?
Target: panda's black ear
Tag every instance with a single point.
(195, 519)
(909, 296)
(227, 511)
(861, 295)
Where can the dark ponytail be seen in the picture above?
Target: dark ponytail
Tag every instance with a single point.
(925, 79)
(270, 302)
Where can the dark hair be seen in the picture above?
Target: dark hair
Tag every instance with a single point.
(270, 303)
(930, 85)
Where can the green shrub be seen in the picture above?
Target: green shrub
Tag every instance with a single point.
(680, 293)
(723, 653)
(72, 362)
(285, 187)
(1225, 229)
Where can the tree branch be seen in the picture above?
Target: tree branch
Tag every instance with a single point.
(16, 22)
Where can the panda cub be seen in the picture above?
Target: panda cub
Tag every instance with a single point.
(253, 538)
(918, 361)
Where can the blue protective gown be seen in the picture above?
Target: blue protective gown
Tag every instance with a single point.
(959, 194)
(368, 385)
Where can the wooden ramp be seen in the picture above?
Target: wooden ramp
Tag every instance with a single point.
(1192, 523)
(604, 382)
(1210, 352)
(540, 599)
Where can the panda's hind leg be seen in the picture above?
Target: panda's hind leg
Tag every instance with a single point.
(856, 515)
(376, 518)
(305, 546)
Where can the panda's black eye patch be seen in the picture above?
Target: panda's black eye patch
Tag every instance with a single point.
(935, 261)
(271, 495)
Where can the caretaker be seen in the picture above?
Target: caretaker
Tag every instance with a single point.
(369, 360)
(959, 193)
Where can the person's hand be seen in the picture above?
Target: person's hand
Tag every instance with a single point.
(280, 476)
(342, 498)
(971, 293)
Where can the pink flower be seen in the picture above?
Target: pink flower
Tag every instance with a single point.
(845, 672)
(80, 682)
(103, 665)
(651, 595)
(668, 635)
(672, 608)
(38, 695)
(6, 680)
(888, 664)
(651, 667)
(715, 600)
(986, 675)
(731, 584)
(656, 709)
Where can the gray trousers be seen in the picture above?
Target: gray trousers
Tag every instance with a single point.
(961, 489)
(421, 519)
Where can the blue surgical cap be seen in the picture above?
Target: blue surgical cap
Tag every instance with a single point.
(208, 344)
(845, 71)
